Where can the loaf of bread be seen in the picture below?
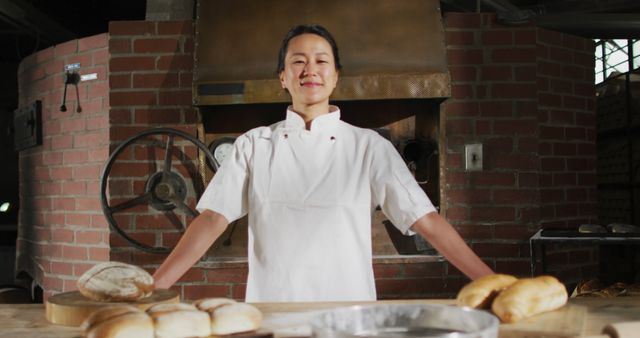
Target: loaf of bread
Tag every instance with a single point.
(235, 318)
(481, 292)
(179, 320)
(528, 297)
(115, 282)
(117, 322)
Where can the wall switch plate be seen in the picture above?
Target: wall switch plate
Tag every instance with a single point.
(473, 157)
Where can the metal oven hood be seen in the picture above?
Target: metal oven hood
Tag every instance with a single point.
(389, 49)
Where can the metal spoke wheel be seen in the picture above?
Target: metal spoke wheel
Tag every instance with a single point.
(166, 190)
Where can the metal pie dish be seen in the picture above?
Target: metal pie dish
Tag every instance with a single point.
(407, 320)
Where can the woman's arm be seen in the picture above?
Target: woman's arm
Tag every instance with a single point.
(201, 233)
(448, 242)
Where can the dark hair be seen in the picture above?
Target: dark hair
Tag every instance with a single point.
(307, 29)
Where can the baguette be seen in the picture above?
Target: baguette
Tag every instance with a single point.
(118, 322)
(481, 292)
(115, 282)
(528, 297)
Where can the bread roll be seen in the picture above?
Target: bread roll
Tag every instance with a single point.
(210, 304)
(106, 313)
(115, 281)
(118, 322)
(170, 307)
(179, 320)
(235, 318)
(481, 292)
(528, 297)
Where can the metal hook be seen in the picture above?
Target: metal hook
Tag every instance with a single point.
(70, 78)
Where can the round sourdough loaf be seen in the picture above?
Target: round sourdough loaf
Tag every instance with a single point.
(117, 322)
(115, 282)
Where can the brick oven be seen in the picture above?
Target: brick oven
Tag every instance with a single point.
(525, 93)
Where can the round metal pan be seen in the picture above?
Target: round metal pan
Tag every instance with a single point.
(428, 320)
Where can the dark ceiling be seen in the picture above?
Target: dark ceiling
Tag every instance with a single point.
(27, 26)
(596, 19)
(549, 6)
(31, 25)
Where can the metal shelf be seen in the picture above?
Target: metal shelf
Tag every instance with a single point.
(538, 243)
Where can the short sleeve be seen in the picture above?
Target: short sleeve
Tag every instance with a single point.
(226, 194)
(395, 189)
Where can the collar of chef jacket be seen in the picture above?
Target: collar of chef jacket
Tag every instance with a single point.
(324, 122)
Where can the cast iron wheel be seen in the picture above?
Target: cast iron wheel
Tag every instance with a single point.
(164, 191)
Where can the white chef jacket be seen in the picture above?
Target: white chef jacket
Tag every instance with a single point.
(310, 195)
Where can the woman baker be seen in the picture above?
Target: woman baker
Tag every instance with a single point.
(309, 185)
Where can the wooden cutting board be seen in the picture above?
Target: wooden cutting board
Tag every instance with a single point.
(71, 308)
(568, 321)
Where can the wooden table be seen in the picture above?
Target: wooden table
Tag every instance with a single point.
(581, 317)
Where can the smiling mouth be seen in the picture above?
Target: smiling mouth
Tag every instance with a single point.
(310, 84)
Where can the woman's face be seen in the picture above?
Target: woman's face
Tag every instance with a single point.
(309, 73)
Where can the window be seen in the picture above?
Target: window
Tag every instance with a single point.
(616, 56)
(636, 53)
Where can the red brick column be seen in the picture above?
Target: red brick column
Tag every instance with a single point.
(150, 86)
(61, 228)
(567, 149)
(494, 102)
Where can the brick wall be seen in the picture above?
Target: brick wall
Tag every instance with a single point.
(527, 95)
(61, 229)
(150, 86)
(567, 146)
(493, 102)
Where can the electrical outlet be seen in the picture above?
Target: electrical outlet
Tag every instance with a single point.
(473, 157)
